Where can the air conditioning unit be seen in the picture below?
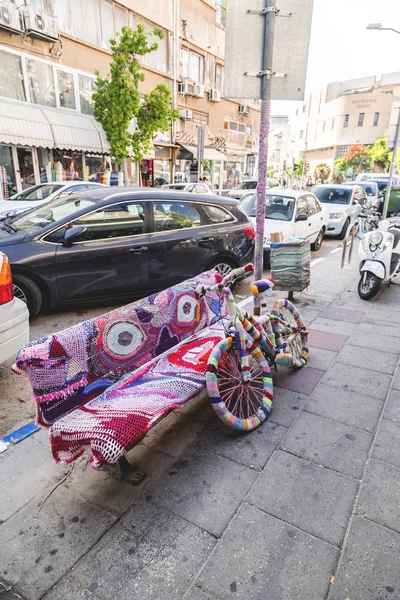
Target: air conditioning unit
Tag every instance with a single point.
(198, 90)
(185, 89)
(244, 109)
(185, 114)
(214, 95)
(40, 24)
(9, 17)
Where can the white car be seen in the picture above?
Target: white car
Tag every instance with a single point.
(344, 203)
(41, 194)
(247, 185)
(14, 315)
(194, 188)
(293, 212)
(372, 190)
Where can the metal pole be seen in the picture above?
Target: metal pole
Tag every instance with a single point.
(392, 163)
(263, 144)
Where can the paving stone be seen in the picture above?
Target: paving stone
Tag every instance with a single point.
(173, 434)
(152, 554)
(379, 328)
(25, 469)
(302, 380)
(386, 343)
(387, 442)
(327, 341)
(260, 557)
(370, 565)
(204, 488)
(392, 408)
(38, 552)
(311, 497)
(396, 380)
(358, 380)
(388, 316)
(286, 406)
(379, 499)
(251, 449)
(375, 360)
(8, 593)
(195, 593)
(352, 301)
(329, 443)
(308, 314)
(333, 326)
(343, 314)
(347, 407)
(68, 589)
(321, 359)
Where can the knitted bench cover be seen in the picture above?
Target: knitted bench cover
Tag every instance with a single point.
(72, 367)
(120, 417)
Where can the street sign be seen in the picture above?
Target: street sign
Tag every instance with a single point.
(244, 42)
(200, 144)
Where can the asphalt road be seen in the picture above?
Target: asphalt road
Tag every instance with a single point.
(16, 406)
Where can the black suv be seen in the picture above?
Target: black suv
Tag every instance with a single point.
(105, 244)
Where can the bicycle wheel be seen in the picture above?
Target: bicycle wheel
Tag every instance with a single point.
(239, 405)
(292, 345)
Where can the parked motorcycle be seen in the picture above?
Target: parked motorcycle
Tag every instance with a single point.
(379, 257)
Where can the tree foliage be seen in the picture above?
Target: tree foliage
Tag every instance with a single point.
(357, 157)
(379, 154)
(298, 171)
(322, 172)
(271, 171)
(117, 100)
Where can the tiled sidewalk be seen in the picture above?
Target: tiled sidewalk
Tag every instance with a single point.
(306, 507)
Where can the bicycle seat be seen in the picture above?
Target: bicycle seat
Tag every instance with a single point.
(262, 287)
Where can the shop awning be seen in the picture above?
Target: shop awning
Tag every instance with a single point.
(190, 153)
(24, 125)
(212, 154)
(29, 125)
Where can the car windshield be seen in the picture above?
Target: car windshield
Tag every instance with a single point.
(247, 185)
(332, 195)
(39, 218)
(278, 208)
(38, 192)
(370, 190)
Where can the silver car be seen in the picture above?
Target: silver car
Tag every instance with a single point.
(344, 203)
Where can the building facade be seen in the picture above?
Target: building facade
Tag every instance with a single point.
(333, 118)
(49, 50)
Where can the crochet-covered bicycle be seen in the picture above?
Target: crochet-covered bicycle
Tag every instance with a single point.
(238, 377)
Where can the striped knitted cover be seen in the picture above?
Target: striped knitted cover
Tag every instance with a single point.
(70, 368)
(290, 263)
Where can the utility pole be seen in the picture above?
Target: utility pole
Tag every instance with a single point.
(266, 74)
(392, 165)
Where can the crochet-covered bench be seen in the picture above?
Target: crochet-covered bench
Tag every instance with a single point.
(99, 386)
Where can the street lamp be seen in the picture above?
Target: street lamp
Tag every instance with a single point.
(378, 27)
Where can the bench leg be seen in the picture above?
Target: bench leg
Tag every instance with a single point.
(129, 472)
(291, 296)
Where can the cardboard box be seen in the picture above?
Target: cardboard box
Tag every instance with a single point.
(276, 237)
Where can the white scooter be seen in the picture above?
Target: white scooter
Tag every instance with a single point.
(379, 257)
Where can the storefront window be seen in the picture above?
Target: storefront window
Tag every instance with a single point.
(161, 172)
(45, 171)
(7, 179)
(95, 167)
(25, 167)
(66, 89)
(86, 89)
(67, 165)
(41, 83)
(11, 76)
(233, 173)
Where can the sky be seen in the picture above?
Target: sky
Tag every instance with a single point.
(342, 48)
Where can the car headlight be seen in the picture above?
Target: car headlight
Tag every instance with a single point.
(375, 238)
(335, 215)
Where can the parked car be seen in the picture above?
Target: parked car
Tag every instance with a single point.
(106, 244)
(378, 177)
(372, 191)
(344, 203)
(249, 184)
(14, 315)
(193, 188)
(293, 212)
(41, 194)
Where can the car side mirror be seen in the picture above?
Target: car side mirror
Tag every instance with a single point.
(73, 234)
(302, 217)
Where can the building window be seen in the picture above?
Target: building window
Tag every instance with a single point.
(66, 89)
(120, 18)
(107, 20)
(78, 19)
(158, 59)
(41, 83)
(361, 119)
(61, 9)
(238, 127)
(200, 118)
(376, 119)
(346, 121)
(86, 89)
(341, 151)
(93, 23)
(192, 66)
(333, 123)
(11, 76)
(219, 77)
(323, 126)
(301, 134)
(304, 108)
(221, 12)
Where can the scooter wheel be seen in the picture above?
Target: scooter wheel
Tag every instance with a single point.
(369, 287)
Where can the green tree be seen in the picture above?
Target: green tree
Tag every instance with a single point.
(298, 171)
(379, 154)
(271, 171)
(117, 101)
(357, 157)
(322, 172)
(339, 171)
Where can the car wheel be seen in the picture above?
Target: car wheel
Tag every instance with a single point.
(318, 242)
(344, 230)
(223, 266)
(29, 292)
